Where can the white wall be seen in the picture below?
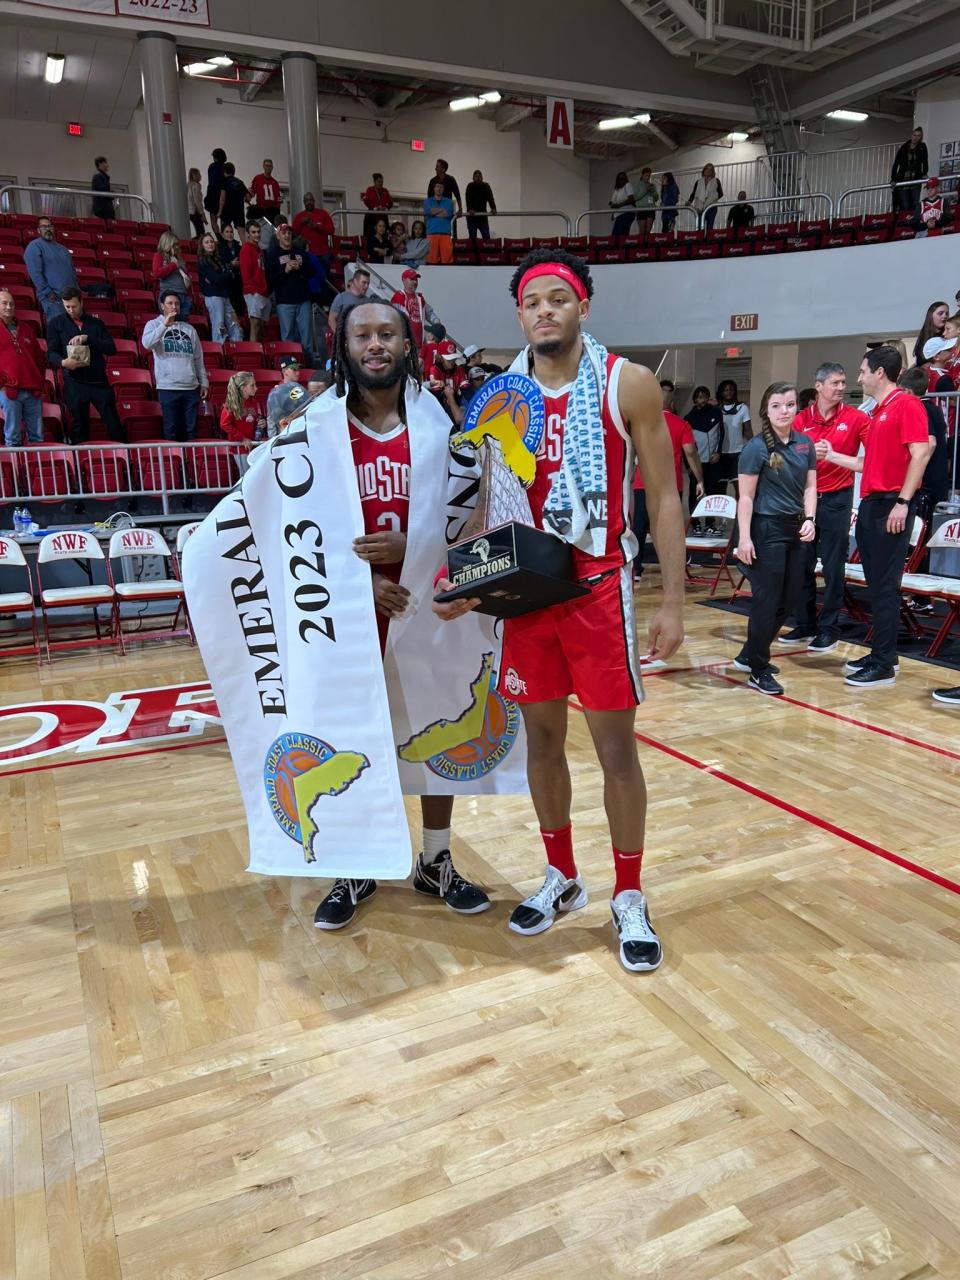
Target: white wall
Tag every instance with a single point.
(938, 114)
(36, 149)
(875, 291)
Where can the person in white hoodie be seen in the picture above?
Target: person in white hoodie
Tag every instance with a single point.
(706, 193)
(178, 369)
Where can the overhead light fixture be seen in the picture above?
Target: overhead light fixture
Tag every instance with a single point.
(199, 68)
(617, 122)
(856, 117)
(465, 104)
(492, 96)
(222, 60)
(643, 117)
(737, 135)
(53, 72)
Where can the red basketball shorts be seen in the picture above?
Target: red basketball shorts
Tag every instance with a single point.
(586, 647)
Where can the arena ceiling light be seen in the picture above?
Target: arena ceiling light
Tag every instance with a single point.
(624, 122)
(53, 71)
(222, 60)
(492, 96)
(199, 68)
(465, 104)
(737, 135)
(855, 117)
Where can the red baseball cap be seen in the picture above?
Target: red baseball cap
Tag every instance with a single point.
(409, 274)
(447, 348)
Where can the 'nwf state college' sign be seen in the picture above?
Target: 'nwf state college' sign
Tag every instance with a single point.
(744, 321)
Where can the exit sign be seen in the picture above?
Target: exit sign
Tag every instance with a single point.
(74, 129)
(417, 144)
(744, 321)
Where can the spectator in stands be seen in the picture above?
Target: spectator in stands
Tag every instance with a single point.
(216, 281)
(806, 398)
(449, 368)
(684, 447)
(354, 293)
(398, 241)
(935, 486)
(285, 396)
(377, 199)
(451, 188)
(419, 312)
(241, 419)
(621, 199)
(228, 246)
(474, 358)
(178, 369)
(669, 198)
(736, 429)
(103, 206)
(77, 344)
(232, 195)
(910, 163)
(253, 280)
(741, 214)
(439, 213)
(288, 275)
(939, 355)
(932, 213)
(50, 268)
(933, 325)
(21, 376)
(314, 227)
(706, 192)
(646, 198)
(195, 202)
(479, 200)
(319, 382)
(265, 195)
(418, 246)
(706, 421)
(168, 272)
(378, 246)
(211, 201)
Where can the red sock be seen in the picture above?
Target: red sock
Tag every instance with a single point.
(559, 847)
(627, 866)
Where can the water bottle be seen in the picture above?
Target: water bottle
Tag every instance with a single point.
(27, 525)
(17, 521)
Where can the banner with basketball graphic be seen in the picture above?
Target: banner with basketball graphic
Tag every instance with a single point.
(325, 736)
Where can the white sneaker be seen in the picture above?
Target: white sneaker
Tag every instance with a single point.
(640, 949)
(557, 894)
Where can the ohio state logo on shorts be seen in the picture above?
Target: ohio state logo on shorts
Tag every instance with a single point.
(512, 682)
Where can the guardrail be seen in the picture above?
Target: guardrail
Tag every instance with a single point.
(788, 202)
(879, 186)
(87, 193)
(675, 209)
(158, 470)
(948, 402)
(501, 213)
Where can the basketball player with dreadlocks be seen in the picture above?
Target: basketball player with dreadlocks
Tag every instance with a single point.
(374, 360)
(602, 414)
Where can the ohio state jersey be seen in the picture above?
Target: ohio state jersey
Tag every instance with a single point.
(621, 460)
(383, 479)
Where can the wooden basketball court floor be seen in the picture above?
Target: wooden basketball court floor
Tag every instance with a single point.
(196, 1084)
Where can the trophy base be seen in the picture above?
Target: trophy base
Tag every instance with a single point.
(512, 569)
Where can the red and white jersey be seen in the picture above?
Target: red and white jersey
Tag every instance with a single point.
(413, 304)
(383, 479)
(621, 460)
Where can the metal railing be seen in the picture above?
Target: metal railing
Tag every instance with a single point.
(787, 213)
(674, 209)
(501, 213)
(76, 194)
(880, 186)
(948, 402)
(102, 472)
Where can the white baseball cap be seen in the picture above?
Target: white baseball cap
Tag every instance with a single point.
(471, 350)
(934, 346)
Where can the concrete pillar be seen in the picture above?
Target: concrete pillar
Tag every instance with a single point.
(303, 127)
(161, 112)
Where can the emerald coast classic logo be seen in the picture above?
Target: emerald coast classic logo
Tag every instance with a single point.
(300, 769)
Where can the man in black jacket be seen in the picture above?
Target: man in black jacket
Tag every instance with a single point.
(288, 275)
(84, 381)
(909, 164)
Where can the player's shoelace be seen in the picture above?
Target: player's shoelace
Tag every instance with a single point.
(340, 889)
(634, 925)
(545, 897)
(448, 876)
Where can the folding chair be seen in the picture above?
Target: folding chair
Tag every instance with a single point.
(935, 587)
(78, 545)
(855, 575)
(716, 506)
(128, 543)
(14, 602)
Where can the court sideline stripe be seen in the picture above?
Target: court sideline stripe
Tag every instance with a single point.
(792, 809)
(115, 755)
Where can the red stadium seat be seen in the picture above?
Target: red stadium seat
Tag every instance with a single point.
(750, 234)
(110, 239)
(788, 228)
(130, 384)
(274, 350)
(218, 379)
(494, 260)
(464, 252)
(346, 244)
(74, 237)
(847, 224)
(127, 354)
(875, 235)
(641, 253)
(800, 244)
(215, 466)
(546, 242)
(819, 225)
(604, 242)
(154, 229)
(160, 467)
(836, 239)
(660, 238)
(134, 297)
(86, 274)
(704, 251)
(673, 253)
(722, 235)
(269, 377)
(775, 244)
(241, 355)
(83, 256)
(516, 244)
(690, 237)
(213, 357)
(13, 271)
(112, 259)
(52, 474)
(105, 472)
(23, 295)
(493, 245)
(903, 233)
(575, 244)
(127, 278)
(10, 236)
(879, 221)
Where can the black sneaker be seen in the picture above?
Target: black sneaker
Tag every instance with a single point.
(871, 676)
(765, 683)
(340, 905)
(741, 664)
(640, 948)
(799, 635)
(823, 642)
(949, 696)
(441, 879)
(857, 664)
(557, 894)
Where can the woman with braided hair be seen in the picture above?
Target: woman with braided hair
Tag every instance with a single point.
(776, 511)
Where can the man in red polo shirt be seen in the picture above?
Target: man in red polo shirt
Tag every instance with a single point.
(897, 448)
(314, 226)
(837, 427)
(265, 190)
(684, 446)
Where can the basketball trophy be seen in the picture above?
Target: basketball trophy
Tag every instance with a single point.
(504, 560)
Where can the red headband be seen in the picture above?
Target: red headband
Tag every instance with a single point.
(552, 269)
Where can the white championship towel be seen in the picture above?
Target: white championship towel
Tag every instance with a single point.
(325, 737)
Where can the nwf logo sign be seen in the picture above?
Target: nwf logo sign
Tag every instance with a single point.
(69, 542)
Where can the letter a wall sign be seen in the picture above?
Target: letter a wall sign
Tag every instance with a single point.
(560, 123)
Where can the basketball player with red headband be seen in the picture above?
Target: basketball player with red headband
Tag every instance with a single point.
(602, 415)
